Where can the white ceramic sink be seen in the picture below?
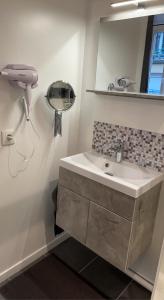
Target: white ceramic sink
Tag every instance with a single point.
(124, 177)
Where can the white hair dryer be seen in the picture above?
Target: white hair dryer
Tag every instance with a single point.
(122, 83)
(25, 77)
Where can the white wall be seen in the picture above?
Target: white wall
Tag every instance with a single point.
(49, 35)
(137, 113)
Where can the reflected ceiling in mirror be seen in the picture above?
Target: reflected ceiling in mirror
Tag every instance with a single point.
(131, 56)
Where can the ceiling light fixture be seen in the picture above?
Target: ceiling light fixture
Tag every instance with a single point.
(128, 2)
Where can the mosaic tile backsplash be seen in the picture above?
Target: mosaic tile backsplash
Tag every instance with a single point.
(141, 147)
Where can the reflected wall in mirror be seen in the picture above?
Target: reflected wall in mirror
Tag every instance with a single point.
(131, 55)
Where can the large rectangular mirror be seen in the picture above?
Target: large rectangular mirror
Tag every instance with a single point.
(131, 55)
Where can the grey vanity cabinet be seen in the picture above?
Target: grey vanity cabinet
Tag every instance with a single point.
(117, 227)
(102, 195)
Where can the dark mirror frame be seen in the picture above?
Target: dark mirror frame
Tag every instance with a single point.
(147, 54)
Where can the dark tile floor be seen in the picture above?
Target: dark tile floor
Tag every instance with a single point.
(107, 280)
(48, 279)
(71, 271)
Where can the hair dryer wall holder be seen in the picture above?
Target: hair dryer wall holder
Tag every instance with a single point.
(24, 77)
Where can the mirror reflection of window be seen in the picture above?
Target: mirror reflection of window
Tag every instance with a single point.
(156, 63)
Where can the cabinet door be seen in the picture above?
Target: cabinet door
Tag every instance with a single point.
(108, 235)
(72, 213)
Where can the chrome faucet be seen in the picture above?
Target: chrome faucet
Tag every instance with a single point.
(119, 148)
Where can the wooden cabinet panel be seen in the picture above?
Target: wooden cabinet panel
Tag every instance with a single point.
(72, 213)
(108, 235)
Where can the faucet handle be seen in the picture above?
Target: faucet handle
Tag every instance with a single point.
(119, 146)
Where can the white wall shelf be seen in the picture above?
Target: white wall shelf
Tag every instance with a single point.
(128, 94)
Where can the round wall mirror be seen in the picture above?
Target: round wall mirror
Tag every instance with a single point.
(61, 97)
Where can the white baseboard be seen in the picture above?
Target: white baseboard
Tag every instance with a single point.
(25, 262)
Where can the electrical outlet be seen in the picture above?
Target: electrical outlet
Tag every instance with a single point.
(7, 137)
